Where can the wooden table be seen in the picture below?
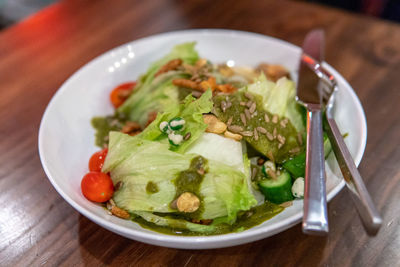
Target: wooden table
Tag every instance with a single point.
(37, 55)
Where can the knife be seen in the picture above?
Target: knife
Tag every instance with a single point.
(315, 215)
(367, 211)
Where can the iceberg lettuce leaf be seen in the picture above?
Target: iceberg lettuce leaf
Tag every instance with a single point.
(191, 110)
(279, 98)
(136, 162)
(155, 94)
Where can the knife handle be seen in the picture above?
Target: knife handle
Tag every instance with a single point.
(369, 216)
(315, 218)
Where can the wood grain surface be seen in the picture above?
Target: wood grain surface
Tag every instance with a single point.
(37, 227)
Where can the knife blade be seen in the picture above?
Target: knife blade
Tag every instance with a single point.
(315, 215)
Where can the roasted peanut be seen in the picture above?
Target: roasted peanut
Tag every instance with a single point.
(210, 83)
(188, 202)
(273, 72)
(214, 125)
(233, 136)
(226, 88)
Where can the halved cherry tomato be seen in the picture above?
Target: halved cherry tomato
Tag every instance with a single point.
(96, 161)
(120, 93)
(97, 186)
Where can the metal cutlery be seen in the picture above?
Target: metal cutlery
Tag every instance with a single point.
(328, 87)
(315, 218)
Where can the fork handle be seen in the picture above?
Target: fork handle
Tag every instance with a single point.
(361, 198)
(315, 219)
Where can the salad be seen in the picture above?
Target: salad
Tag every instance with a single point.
(196, 148)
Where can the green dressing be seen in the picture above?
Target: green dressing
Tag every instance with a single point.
(151, 188)
(189, 181)
(246, 220)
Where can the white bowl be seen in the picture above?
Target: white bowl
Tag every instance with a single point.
(66, 138)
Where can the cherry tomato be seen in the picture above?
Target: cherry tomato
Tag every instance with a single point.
(120, 93)
(96, 161)
(97, 186)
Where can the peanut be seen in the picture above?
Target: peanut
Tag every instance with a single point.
(210, 83)
(214, 125)
(274, 72)
(233, 136)
(188, 202)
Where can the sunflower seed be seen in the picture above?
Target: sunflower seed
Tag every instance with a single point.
(261, 130)
(247, 133)
(249, 103)
(242, 103)
(299, 138)
(201, 171)
(248, 95)
(229, 121)
(266, 118)
(255, 134)
(284, 123)
(223, 106)
(247, 113)
(275, 118)
(235, 128)
(243, 118)
(274, 133)
(286, 204)
(279, 146)
(187, 136)
(294, 150)
(271, 156)
(114, 122)
(281, 139)
(270, 136)
(253, 108)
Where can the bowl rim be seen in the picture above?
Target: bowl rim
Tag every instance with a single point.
(179, 241)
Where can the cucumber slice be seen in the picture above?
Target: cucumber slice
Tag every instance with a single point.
(297, 165)
(277, 190)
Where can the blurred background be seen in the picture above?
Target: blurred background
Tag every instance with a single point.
(12, 11)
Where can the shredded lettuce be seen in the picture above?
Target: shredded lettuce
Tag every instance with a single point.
(191, 110)
(256, 193)
(155, 94)
(279, 98)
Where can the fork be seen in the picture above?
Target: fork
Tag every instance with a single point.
(368, 213)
